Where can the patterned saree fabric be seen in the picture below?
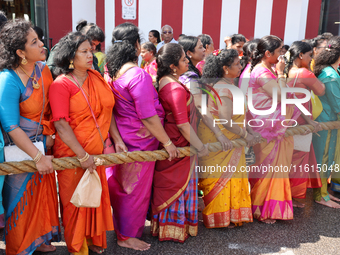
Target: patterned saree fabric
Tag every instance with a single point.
(226, 192)
(174, 200)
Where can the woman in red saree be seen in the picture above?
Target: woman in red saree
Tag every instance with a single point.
(174, 200)
(30, 199)
(76, 92)
(298, 59)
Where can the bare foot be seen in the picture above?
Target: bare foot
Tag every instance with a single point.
(298, 204)
(269, 221)
(46, 248)
(96, 249)
(334, 198)
(329, 203)
(134, 243)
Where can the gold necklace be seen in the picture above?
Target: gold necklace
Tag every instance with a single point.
(20, 77)
(35, 83)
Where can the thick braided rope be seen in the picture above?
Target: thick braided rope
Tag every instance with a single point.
(144, 156)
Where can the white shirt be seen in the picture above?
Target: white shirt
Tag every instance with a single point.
(162, 43)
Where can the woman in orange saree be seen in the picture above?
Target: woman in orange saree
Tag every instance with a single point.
(226, 190)
(77, 135)
(30, 199)
(271, 194)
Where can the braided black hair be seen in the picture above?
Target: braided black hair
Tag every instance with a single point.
(294, 51)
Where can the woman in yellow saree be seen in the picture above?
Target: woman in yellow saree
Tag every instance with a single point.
(223, 178)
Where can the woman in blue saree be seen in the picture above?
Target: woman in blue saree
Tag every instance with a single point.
(30, 199)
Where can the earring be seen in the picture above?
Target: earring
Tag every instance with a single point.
(300, 57)
(24, 61)
(189, 56)
(71, 66)
(226, 72)
(174, 72)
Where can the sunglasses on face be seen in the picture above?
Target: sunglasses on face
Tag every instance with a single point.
(167, 32)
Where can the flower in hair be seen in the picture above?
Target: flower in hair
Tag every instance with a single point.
(216, 52)
(287, 56)
(329, 46)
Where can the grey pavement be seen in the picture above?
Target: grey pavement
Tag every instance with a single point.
(315, 230)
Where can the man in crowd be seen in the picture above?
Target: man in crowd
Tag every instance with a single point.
(167, 36)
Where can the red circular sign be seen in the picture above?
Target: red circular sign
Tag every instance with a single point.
(128, 2)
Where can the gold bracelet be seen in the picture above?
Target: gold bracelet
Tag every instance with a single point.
(246, 134)
(168, 143)
(52, 136)
(86, 157)
(219, 133)
(38, 157)
(241, 132)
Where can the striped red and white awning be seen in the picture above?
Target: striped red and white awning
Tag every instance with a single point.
(289, 19)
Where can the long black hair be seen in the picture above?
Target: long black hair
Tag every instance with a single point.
(13, 37)
(270, 43)
(189, 43)
(123, 50)
(169, 54)
(213, 68)
(156, 34)
(248, 49)
(294, 51)
(328, 56)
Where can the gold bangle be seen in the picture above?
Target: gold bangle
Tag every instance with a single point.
(86, 157)
(38, 157)
(241, 132)
(168, 143)
(219, 133)
(246, 134)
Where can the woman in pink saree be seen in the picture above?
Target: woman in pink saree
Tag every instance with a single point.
(270, 189)
(139, 117)
(298, 59)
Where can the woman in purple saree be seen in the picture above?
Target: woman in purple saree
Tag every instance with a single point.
(139, 116)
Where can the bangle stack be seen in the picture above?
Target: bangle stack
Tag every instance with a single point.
(245, 135)
(86, 157)
(168, 143)
(38, 157)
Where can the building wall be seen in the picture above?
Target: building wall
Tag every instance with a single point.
(288, 19)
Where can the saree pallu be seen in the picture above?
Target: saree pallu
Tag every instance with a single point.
(304, 173)
(130, 184)
(30, 199)
(271, 192)
(174, 201)
(226, 189)
(85, 224)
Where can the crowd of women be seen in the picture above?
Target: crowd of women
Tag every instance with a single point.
(85, 104)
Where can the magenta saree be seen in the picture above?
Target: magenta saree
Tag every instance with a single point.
(130, 184)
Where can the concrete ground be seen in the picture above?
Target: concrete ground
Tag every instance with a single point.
(315, 230)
